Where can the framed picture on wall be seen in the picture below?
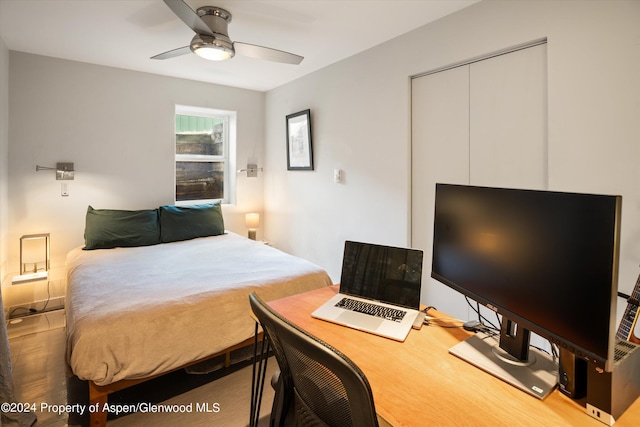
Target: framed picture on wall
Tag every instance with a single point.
(299, 146)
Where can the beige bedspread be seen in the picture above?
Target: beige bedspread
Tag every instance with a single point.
(137, 312)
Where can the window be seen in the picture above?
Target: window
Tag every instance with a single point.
(205, 155)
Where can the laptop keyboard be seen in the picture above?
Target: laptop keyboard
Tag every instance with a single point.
(372, 309)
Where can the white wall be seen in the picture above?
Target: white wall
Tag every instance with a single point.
(117, 127)
(4, 154)
(361, 108)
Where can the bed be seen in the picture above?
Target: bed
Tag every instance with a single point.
(139, 311)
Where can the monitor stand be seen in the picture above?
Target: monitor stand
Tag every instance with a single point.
(537, 377)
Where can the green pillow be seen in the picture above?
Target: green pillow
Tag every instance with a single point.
(189, 222)
(109, 228)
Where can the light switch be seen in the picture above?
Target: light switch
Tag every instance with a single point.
(337, 176)
(64, 189)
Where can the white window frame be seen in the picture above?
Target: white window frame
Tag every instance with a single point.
(229, 157)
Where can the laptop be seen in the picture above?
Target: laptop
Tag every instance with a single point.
(387, 278)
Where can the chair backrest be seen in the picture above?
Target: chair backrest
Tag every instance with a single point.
(326, 387)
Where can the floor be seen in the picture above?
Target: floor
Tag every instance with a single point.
(41, 377)
(37, 346)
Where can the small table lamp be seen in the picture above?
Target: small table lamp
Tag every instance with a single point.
(253, 222)
(34, 258)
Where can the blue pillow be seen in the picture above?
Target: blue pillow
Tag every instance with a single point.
(110, 228)
(188, 222)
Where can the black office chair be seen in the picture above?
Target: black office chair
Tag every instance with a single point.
(317, 384)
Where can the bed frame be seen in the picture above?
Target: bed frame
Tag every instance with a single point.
(99, 394)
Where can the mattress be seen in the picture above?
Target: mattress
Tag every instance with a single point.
(138, 312)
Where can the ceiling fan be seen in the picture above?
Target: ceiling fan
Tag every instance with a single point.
(212, 39)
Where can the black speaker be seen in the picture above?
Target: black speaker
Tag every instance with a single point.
(572, 375)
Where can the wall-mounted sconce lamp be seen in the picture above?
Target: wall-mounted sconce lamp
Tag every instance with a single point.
(253, 222)
(64, 171)
(251, 170)
(35, 257)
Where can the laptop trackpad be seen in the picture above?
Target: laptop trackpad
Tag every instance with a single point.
(359, 320)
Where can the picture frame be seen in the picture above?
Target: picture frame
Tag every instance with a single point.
(299, 144)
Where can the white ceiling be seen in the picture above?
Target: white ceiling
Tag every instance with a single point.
(126, 33)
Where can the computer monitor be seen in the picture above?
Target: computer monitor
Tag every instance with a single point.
(546, 261)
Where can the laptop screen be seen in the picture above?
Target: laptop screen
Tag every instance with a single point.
(383, 273)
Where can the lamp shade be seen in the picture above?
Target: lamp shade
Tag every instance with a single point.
(33, 251)
(252, 220)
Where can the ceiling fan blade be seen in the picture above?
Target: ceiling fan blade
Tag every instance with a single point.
(173, 53)
(266, 53)
(188, 16)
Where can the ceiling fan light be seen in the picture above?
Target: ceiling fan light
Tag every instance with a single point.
(212, 48)
(213, 53)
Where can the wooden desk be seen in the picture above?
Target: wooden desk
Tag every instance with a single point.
(419, 383)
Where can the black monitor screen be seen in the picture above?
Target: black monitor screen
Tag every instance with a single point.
(547, 260)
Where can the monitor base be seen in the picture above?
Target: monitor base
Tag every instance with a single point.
(538, 377)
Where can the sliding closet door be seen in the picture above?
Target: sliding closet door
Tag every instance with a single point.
(508, 101)
(482, 123)
(440, 151)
